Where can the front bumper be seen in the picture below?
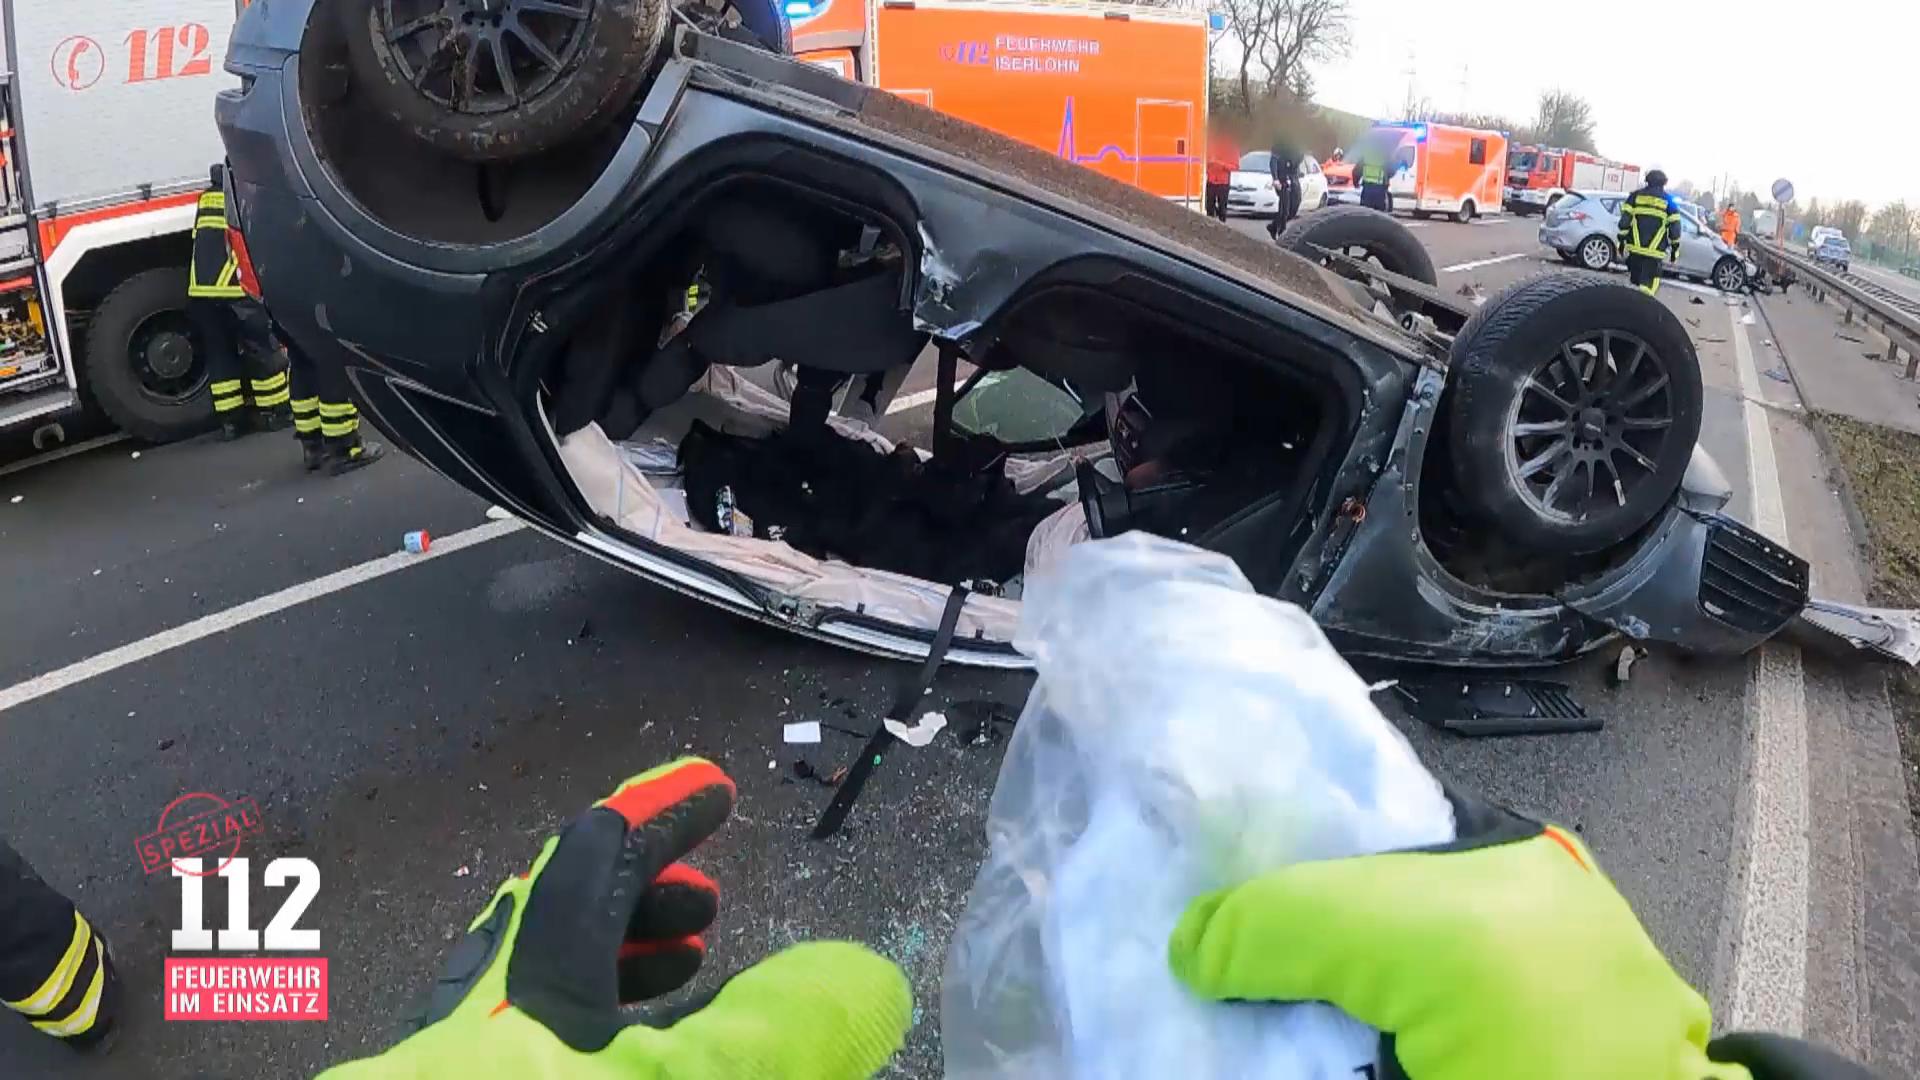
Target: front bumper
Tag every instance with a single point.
(1253, 201)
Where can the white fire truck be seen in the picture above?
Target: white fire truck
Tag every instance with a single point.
(107, 134)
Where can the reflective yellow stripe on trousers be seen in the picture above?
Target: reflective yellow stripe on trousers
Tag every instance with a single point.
(338, 420)
(42, 1000)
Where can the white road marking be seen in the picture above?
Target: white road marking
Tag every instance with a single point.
(240, 614)
(1478, 263)
(911, 401)
(1770, 959)
(52, 456)
(1705, 290)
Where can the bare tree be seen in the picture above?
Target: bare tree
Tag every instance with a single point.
(1565, 119)
(1894, 225)
(1848, 217)
(1278, 39)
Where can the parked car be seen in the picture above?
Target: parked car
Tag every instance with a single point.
(1834, 251)
(1582, 227)
(1505, 486)
(1252, 192)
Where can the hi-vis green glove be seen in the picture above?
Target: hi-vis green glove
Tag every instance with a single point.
(1505, 954)
(609, 916)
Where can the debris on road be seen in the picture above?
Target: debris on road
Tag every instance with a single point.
(1715, 340)
(1777, 375)
(497, 513)
(135, 455)
(1747, 319)
(979, 723)
(585, 631)
(922, 732)
(1849, 337)
(806, 731)
(416, 541)
(1697, 300)
(166, 744)
(16, 499)
(462, 872)
(1623, 667)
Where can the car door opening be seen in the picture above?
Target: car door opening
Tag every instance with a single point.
(725, 398)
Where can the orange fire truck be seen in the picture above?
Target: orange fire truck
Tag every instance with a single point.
(1118, 87)
(1537, 175)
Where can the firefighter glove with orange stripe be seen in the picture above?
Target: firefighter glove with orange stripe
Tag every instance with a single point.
(1507, 953)
(610, 916)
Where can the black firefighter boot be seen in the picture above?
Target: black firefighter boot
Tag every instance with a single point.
(346, 453)
(313, 450)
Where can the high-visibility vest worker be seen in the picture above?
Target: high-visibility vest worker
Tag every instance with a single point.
(1649, 232)
(1730, 225)
(1371, 176)
(213, 288)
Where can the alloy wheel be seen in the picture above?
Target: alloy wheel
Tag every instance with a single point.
(1596, 253)
(1590, 425)
(484, 56)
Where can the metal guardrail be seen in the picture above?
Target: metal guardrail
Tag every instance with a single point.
(1871, 305)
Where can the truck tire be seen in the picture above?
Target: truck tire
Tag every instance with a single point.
(547, 78)
(144, 364)
(1574, 406)
(1363, 233)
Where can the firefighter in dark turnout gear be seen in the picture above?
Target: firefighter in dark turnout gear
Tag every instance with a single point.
(55, 970)
(324, 418)
(213, 290)
(1649, 232)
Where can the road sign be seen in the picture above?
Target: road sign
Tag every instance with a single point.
(1783, 191)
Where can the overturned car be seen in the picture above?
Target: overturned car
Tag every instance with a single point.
(634, 275)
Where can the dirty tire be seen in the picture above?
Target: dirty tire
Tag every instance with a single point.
(1466, 213)
(1346, 227)
(606, 72)
(1497, 355)
(110, 377)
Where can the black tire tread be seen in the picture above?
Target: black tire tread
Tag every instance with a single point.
(1367, 226)
(107, 377)
(1475, 376)
(560, 117)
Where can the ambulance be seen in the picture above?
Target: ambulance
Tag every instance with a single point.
(106, 138)
(1438, 168)
(1120, 88)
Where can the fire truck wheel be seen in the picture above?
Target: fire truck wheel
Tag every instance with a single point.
(143, 362)
(499, 80)
(1574, 405)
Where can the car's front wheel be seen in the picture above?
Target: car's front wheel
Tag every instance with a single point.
(1728, 275)
(1574, 407)
(1596, 253)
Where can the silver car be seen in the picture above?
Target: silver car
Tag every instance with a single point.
(1582, 225)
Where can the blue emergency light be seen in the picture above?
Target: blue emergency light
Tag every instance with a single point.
(798, 9)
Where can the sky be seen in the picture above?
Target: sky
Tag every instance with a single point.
(1695, 109)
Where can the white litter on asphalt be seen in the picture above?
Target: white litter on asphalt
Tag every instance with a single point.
(921, 733)
(806, 731)
(1769, 982)
(1478, 263)
(135, 455)
(240, 614)
(498, 513)
(16, 499)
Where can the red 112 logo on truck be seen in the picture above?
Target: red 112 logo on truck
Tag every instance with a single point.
(167, 52)
(151, 54)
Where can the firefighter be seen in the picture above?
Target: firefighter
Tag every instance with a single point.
(1371, 176)
(213, 291)
(1461, 953)
(55, 971)
(1649, 232)
(1730, 225)
(324, 417)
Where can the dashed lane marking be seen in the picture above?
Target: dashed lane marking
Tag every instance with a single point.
(240, 614)
(1770, 959)
(1478, 263)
